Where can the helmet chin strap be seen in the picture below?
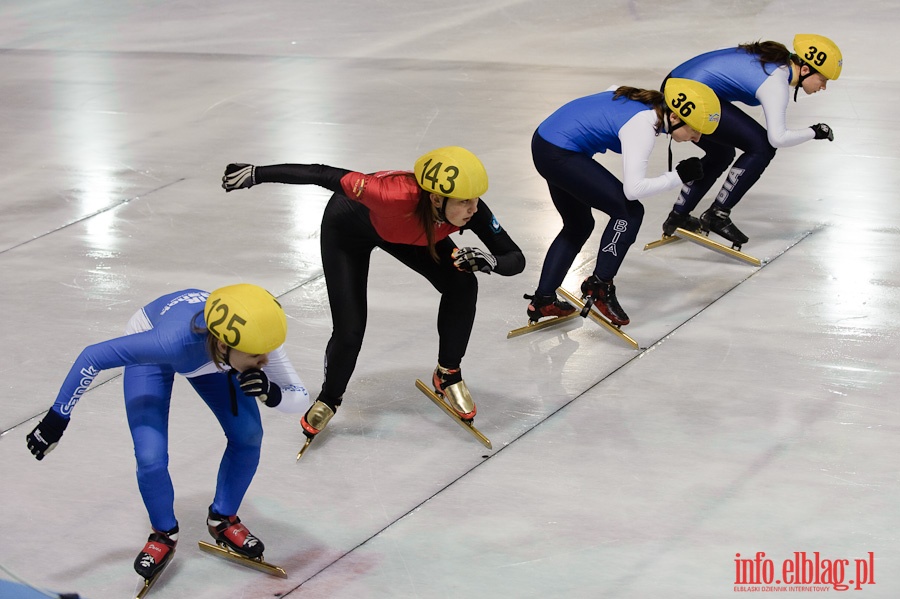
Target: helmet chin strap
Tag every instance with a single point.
(442, 211)
(801, 77)
(669, 128)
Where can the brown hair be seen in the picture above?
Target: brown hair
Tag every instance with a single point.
(211, 342)
(647, 96)
(770, 52)
(425, 214)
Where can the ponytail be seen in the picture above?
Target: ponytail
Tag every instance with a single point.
(645, 96)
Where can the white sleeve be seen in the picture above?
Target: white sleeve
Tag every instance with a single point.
(774, 95)
(638, 136)
(294, 396)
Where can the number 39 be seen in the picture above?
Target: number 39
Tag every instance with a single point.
(816, 57)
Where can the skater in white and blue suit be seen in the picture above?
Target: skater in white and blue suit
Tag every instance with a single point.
(228, 344)
(757, 74)
(626, 121)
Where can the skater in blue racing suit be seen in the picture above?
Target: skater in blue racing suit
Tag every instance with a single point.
(757, 74)
(228, 344)
(626, 121)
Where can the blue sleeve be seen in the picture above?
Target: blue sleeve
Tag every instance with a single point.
(140, 348)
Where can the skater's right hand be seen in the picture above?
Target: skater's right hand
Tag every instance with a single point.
(690, 169)
(823, 131)
(255, 383)
(239, 176)
(46, 434)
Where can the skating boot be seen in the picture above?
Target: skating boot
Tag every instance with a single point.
(683, 221)
(547, 305)
(156, 553)
(603, 295)
(450, 386)
(718, 220)
(230, 533)
(316, 418)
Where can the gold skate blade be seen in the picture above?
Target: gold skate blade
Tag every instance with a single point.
(149, 582)
(716, 246)
(450, 412)
(664, 240)
(541, 324)
(599, 318)
(304, 448)
(256, 564)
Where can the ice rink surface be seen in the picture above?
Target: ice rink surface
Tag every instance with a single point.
(755, 417)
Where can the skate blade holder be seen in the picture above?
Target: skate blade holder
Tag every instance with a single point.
(598, 318)
(149, 582)
(537, 325)
(703, 240)
(256, 563)
(452, 413)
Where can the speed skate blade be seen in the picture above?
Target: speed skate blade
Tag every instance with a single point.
(599, 319)
(256, 564)
(664, 240)
(452, 413)
(716, 246)
(304, 448)
(541, 324)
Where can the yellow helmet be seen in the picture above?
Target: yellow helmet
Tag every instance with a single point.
(820, 53)
(246, 318)
(694, 103)
(453, 172)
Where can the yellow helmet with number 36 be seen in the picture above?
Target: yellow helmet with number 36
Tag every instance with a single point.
(820, 53)
(246, 318)
(453, 172)
(694, 103)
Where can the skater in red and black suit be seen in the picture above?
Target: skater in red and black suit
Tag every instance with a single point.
(410, 215)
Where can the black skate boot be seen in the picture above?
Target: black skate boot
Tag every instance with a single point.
(603, 295)
(229, 532)
(718, 220)
(156, 553)
(683, 221)
(450, 386)
(547, 305)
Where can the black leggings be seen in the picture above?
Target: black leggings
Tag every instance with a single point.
(348, 239)
(736, 130)
(577, 184)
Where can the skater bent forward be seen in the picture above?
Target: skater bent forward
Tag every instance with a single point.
(228, 344)
(410, 215)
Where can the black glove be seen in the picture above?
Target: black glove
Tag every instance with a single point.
(255, 383)
(473, 260)
(823, 131)
(46, 434)
(690, 169)
(239, 176)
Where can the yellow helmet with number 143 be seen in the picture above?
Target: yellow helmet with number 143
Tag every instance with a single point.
(453, 172)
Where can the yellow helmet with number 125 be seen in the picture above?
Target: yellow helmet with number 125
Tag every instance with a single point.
(246, 318)
(694, 103)
(820, 53)
(453, 172)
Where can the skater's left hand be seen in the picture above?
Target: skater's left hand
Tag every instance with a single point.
(238, 176)
(473, 260)
(255, 383)
(823, 131)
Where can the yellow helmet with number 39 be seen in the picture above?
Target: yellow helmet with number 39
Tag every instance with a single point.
(694, 103)
(453, 172)
(246, 318)
(820, 53)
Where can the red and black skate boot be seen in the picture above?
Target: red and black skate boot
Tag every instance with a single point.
(449, 385)
(603, 295)
(680, 221)
(547, 305)
(718, 220)
(156, 553)
(229, 532)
